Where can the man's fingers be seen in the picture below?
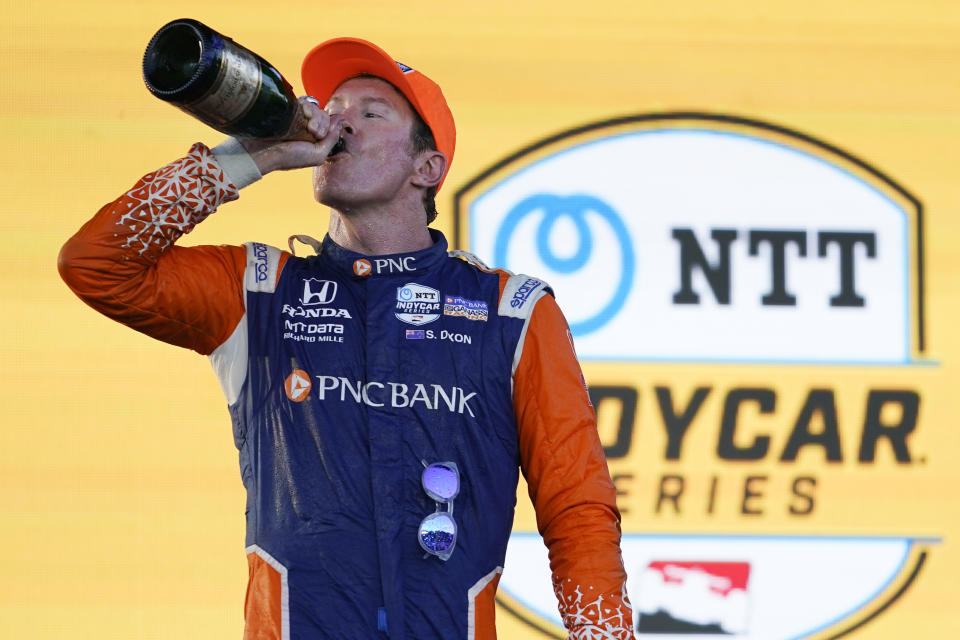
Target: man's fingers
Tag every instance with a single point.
(326, 131)
(308, 147)
(317, 120)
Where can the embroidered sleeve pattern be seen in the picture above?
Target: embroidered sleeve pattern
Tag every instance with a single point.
(170, 202)
(123, 262)
(594, 616)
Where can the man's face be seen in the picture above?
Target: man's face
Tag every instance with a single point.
(376, 161)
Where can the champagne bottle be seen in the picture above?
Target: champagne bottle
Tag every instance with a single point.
(219, 82)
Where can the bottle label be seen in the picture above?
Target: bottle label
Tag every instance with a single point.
(233, 92)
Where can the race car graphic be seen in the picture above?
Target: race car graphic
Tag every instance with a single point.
(693, 597)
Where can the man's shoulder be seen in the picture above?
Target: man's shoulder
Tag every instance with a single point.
(472, 260)
(264, 264)
(519, 292)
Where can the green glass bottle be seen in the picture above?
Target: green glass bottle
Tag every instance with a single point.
(219, 82)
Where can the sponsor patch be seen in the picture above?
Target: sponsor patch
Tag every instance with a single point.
(298, 385)
(403, 264)
(462, 308)
(398, 395)
(299, 331)
(317, 291)
(362, 267)
(522, 293)
(262, 264)
(417, 304)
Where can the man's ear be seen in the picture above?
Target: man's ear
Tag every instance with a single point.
(429, 168)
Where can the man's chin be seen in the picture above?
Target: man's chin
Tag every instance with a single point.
(324, 193)
(330, 198)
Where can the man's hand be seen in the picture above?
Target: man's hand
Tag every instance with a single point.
(307, 147)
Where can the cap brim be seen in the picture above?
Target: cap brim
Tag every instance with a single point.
(330, 64)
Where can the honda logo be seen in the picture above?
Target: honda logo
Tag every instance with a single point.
(318, 291)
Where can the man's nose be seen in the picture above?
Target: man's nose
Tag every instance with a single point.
(342, 120)
(348, 118)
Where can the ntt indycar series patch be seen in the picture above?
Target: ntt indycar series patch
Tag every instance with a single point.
(417, 304)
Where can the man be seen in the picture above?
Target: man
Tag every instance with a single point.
(358, 377)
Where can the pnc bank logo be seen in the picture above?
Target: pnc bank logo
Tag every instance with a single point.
(385, 265)
(679, 241)
(297, 385)
(362, 267)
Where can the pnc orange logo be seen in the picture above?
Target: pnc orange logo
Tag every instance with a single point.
(362, 267)
(298, 385)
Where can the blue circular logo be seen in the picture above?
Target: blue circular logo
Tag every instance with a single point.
(574, 208)
(406, 293)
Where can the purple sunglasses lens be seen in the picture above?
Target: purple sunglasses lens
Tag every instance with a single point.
(438, 533)
(441, 480)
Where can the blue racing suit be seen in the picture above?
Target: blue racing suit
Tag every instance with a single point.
(345, 376)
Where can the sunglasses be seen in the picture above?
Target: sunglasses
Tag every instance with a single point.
(438, 531)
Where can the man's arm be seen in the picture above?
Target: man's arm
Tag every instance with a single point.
(569, 483)
(123, 262)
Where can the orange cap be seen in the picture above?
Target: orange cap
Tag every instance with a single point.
(331, 63)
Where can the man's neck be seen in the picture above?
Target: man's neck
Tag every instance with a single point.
(376, 234)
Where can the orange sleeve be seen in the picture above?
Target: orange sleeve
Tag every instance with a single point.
(123, 262)
(569, 483)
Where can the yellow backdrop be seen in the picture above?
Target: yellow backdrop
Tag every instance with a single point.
(121, 508)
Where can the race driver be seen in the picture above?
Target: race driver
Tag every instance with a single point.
(353, 372)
